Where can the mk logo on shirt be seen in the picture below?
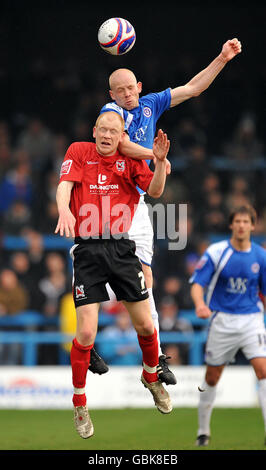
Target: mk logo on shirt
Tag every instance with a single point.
(237, 285)
(120, 166)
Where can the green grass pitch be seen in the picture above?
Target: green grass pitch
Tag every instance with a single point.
(130, 429)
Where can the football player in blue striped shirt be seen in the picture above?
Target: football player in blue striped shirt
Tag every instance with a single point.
(141, 114)
(228, 286)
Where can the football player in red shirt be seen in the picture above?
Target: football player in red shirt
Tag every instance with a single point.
(96, 180)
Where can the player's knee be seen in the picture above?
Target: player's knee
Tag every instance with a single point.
(261, 372)
(212, 377)
(259, 365)
(145, 328)
(211, 381)
(86, 335)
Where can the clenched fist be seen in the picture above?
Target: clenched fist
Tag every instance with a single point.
(230, 49)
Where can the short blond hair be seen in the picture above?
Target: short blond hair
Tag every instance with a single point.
(114, 113)
(116, 73)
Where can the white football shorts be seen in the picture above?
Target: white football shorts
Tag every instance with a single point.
(141, 232)
(229, 333)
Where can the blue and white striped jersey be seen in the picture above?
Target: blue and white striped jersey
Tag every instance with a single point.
(232, 278)
(140, 122)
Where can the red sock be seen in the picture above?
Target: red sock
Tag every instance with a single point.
(150, 354)
(80, 361)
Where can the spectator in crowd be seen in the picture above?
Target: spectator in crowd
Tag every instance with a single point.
(211, 182)
(36, 252)
(239, 192)
(4, 132)
(85, 110)
(67, 321)
(13, 296)
(81, 130)
(5, 158)
(16, 185)
(173, 355)
(48, 220)
(245, 145)
(41, 203)
(21, 266)
(172, 286)
(37, 140)
(17, 218)
(186, 136)
(60, 145)
(119, 343)
(195, 172)
(190, 262)
(213, 213)
(5, 148)
(170, 321)
(235, 199)
(13, 300)
(202, 245)
(54, 284)
(21, 155)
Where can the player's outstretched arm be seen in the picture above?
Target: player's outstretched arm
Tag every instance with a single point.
(203, 79)
(161, 147)
(66, 220)
(197, 295)
(137, 152)
(133, 150)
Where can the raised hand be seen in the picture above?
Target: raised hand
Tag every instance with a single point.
(230, 49)
(161, 145)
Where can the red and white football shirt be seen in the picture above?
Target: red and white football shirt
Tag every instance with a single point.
(104, 197)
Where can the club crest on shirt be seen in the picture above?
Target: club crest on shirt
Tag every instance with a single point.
(147, 111)
(120, 165)
(255, 267)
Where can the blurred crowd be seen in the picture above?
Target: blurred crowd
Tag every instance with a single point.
(212, 172)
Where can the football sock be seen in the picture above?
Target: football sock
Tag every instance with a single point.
(80, 361)
(149, 347)
(262, 399)
(155, 317)
(205, 408)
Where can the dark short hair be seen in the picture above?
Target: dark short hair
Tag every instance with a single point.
(244, 210)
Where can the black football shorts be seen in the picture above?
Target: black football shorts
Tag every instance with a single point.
(97, 262)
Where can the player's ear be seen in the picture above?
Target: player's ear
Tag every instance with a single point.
(111, 94)
(94, 132)
(122, 136)
(139, 87)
